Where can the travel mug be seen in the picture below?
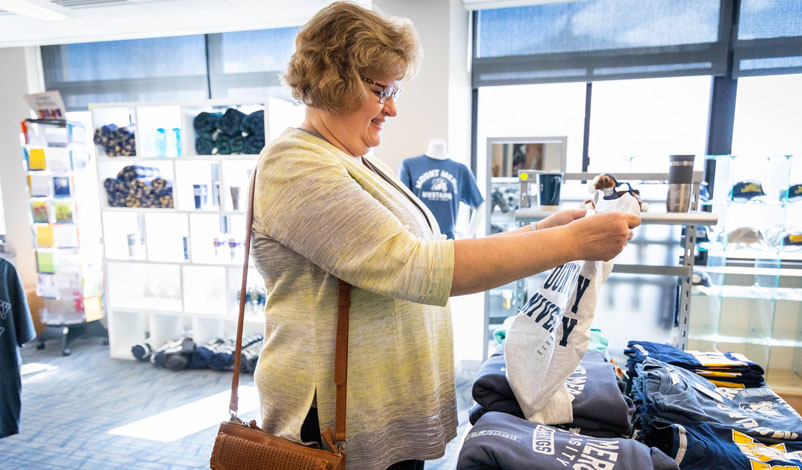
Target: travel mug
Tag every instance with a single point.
(200, 192)
(132, 245)
(234, 197)
(680, 181)
(549, 185)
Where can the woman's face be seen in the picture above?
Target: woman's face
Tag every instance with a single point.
(360, 129)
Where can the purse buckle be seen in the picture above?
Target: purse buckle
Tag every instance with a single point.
(234, 419)
(340, 446)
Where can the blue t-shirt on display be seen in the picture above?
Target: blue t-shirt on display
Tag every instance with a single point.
(16, 328)
(441, 185)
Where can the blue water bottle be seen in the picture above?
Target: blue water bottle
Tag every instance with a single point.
(177, 137)
(161, 142)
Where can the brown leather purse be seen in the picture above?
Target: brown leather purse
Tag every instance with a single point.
(244, 446)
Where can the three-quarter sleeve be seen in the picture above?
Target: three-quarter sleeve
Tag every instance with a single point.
(307, 200)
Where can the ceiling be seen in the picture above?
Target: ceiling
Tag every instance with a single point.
(107, 20)
(104, 20)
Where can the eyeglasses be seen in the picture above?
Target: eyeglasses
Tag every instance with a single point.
(387, 90)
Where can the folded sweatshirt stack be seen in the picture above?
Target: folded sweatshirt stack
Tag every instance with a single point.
(502, 441)
(600, 408)
(703, 426)
(723, 369)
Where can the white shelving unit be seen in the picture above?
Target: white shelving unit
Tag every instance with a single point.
(174, 269)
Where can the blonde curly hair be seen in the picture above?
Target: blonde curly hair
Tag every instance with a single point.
(342, 44)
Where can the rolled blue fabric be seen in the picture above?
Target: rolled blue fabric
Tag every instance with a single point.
(223, 144)
(141, 351)
(204, 146)
(177, 361)
(205, 122)
(137, 172)
(201, 358)
(203, 354)
(250, 356)
(159, 359)
(170, 348)
(223, 355)
(230, 122)
(237, 144)
(254, 123)
(254, 144)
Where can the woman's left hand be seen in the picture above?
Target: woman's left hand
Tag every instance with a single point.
(562, 217)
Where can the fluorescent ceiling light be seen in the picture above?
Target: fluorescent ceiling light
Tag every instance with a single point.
(40, 9)
(488, 4)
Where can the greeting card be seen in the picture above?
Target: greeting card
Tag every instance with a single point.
(44, 236)
(39, 185)
(63, 211)
(61, 186)
(40, 212)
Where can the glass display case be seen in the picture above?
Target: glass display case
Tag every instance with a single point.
(748, 298)
(173, 215)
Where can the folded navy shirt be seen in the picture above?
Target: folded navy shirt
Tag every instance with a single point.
(491, 389)
(732, 367)
(680, 396)
(599, 406)
(705, 446)
(502, 441)
(598, 402)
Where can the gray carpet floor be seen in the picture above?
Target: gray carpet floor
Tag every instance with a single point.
(69, 407)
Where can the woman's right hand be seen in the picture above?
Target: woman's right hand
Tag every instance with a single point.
(601, 237)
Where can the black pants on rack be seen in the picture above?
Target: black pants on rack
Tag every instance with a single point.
(310, 431)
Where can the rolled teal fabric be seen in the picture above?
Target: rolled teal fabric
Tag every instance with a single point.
(237, 144)
(223, 144)
(254, 123)
(230, 122)
(204, 146)
(205, 122)
(254, 144)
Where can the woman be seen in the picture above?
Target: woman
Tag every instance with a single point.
(324, 211)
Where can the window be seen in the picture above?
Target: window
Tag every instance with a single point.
(769, 38)
(600, 40)
(547, 110)
(244, 64)
(767, 117)
(596, 25)
(647, 119)
(248, 63)
(760, 19)
(132, 70)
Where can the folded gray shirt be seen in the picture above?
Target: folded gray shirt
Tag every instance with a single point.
(502, 441)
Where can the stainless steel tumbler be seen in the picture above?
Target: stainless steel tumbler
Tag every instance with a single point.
(680, 181)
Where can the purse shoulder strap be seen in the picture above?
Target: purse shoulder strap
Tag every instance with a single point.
(341, 347)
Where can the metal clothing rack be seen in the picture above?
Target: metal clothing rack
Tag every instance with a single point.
(690, 220)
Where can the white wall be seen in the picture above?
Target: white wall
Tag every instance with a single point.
(442, 83)
(21, 75)
(436, 105)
